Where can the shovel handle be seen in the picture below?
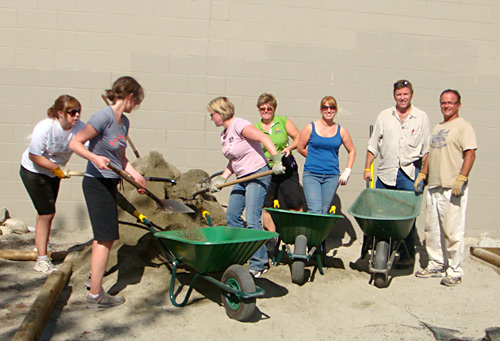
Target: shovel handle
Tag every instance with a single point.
(127, 177)
(73, 173)
(246, 178)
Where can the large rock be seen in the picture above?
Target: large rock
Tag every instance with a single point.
(16, 226)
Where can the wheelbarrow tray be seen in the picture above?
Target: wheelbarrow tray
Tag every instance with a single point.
(213, 249)
(385, 213)
(290, 224)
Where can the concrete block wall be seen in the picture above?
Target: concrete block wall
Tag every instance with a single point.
(186, 52)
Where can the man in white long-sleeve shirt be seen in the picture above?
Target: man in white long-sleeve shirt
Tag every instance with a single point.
(400, 138)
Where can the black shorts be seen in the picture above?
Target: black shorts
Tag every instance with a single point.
(42, 190)
(100, 196)
(287, 187)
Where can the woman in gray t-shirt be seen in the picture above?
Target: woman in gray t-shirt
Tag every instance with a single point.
(107, 133)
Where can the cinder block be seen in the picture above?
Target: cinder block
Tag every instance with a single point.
(12, 76)
(283, 52)
(39, 19)
(55, 77)
(110, 61)
(248, 50)
(250, 13)
(198, 47)
(284, 15)
(8, 17)
(219, 11)
(188, 65)
(67, 21)
(186, 102)
(264, 32)
(7, 56)
(281, 89)
(383, 7)
(15, 114)
(242, 86)
(459, 11)
(201, 9)
(149, 63)
(225, 67)
(183, 140)
(48, 39)
(56, 5)
(130, 7)
(228, 30)
(409, 8)
(297, 71)
(215, 86)
(173, 8)
(6, 96)
(372, 41)
(318, 54)
(40, 58)
(338, 38)
(218, 48)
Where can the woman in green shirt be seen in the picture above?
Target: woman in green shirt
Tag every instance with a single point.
(280, 129)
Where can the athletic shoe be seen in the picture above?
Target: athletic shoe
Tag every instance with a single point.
(257, 273)
(45, 266)
(428, 273)
(451, 281)
(104, 300)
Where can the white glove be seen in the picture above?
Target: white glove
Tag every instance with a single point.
(277, 165)
(216, 182)
(344, 177)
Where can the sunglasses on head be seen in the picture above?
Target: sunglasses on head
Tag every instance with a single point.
(73, 112)
(326, 107)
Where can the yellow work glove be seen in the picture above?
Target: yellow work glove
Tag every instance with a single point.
(419, 183)
(458, 187)
(61, 172)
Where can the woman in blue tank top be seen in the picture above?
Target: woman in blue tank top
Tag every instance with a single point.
(319, 143)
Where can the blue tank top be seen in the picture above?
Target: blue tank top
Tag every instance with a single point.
(323, 153)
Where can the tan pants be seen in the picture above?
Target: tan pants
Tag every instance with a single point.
(445, 230)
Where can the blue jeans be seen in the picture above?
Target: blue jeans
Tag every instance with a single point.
(250, 195)
(404, 183)
(319, 190)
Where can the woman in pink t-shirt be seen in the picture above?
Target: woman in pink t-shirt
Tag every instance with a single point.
(241, 145)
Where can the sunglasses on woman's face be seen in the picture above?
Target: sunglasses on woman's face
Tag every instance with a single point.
(326, 107)
(73, 112)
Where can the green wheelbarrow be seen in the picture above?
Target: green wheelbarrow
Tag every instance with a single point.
(216, 249)
(308, 232)
(386, 217)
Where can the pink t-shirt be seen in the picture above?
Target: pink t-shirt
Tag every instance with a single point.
(245, 156)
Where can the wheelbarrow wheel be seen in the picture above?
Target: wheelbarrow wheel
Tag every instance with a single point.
(298, 266)
(237, 308)
(381, 257)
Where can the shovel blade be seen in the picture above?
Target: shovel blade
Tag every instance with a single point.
(174, 206)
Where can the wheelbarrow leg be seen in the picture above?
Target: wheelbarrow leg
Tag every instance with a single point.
(172, 284)
(275, 252)
(282, 252)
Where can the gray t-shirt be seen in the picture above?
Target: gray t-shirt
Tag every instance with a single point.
(110, 142)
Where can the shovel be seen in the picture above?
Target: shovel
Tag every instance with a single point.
(148, 178)
(167, 205)
(234, 182)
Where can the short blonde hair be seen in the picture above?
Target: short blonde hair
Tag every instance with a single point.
(222, 106)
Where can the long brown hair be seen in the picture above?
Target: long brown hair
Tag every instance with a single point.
(63, 103)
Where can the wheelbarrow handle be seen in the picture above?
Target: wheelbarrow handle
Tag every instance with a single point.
(153, 178)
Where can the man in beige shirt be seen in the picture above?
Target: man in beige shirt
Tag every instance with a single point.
(451, 156)
(400, 137)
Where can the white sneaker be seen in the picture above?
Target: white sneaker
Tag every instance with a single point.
(45, 266)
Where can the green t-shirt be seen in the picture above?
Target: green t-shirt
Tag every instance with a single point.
(277, 133)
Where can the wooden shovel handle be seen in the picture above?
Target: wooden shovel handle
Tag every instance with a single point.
(246, 178)
(127, 177)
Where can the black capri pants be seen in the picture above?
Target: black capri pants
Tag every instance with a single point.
(100, 195)
(42, 189)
